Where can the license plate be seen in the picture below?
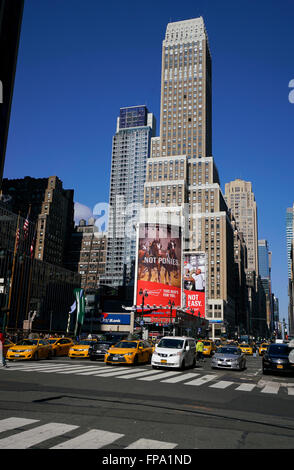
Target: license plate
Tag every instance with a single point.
(163, 361)
(279, 367)
(16, 355)
(115, 358)
(98, 351)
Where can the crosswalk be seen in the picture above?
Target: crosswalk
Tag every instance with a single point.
(192, 378)
(23, 433)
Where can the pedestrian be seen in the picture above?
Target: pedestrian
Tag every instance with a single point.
(199, 350)
(254, 349)
(2, 355)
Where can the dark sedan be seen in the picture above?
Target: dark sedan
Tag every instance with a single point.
(276, 359)
(98, 350)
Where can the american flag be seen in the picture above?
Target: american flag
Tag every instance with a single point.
(33, 245)
(17, 238)
(26, 227)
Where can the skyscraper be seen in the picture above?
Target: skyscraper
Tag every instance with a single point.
(130, 152)
(265, 258)
(181, 172)
(241, 200)
(290, 256)
(11, 12)
(51, 207)
(289, 235)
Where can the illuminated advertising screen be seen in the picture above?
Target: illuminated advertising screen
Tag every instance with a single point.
(159, 264)
(194, 283)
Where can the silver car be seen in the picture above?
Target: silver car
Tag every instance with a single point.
(228, 357)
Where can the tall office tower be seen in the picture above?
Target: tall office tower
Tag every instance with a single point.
(11, 12)
(264, 258)
(181, 171)
(290, 256)
(52, 209)
(130, 152)
(240, 199)
(289, 235)
(87, 254)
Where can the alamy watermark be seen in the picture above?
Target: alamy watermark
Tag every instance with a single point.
(291, 94)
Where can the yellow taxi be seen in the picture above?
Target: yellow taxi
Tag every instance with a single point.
(209, 347)
(262, 348)
(30, 349)
(81, 349)
(246, 348)
(129, 352)
(7, 344)
(60, 346)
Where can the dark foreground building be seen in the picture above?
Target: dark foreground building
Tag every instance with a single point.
(10, 24)
(29, 287)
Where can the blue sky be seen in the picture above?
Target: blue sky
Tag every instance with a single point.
(80, 61)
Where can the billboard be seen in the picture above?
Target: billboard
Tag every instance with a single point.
(158, 274)
(194, 283)
(115, 318)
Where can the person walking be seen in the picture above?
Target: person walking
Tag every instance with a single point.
(2, 355)
(199, 350)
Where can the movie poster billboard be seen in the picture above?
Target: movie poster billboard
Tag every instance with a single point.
(194, 283)
(159, 264)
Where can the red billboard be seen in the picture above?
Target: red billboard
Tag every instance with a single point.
(194, 283)
(159, 265)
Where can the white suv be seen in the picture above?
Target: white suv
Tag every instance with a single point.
(174, 351)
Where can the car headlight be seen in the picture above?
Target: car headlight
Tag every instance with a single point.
(128, 354)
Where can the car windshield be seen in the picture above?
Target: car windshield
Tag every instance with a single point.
(52, 341)
(126, 345)
(171, 343)
(103, 345)
(27, 342)
(228, 351)
(279, 349)
(86, 342)
(207, 343)
(244, 346)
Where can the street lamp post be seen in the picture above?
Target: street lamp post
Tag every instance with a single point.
(143, 294)
(171, 304)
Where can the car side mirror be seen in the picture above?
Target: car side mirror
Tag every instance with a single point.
(141, 347)
(187, 348)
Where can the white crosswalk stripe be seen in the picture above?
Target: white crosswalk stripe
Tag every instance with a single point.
(221, 384)
(159, 377)
(201, 380)
(116, 372)
(151, 444)
(151, 375)
(271, 387)
(180, 378)
(26, 439)
(94, 439)
(140, 374)
(246, 387)
(11, 423)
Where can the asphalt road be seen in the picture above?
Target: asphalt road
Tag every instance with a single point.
(76, 404)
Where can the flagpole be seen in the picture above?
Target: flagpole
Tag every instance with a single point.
(31, 271)
(12, 274)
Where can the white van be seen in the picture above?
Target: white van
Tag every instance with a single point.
(174, 351)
